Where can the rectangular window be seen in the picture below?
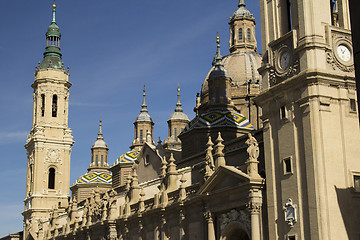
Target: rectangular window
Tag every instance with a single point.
(287, 166)
(141, 136)
(283, 114)
(288, 8)
(96, 160)
(175, 134)
(249, 35)
(352, 105)
(240, 34)
(291, 238)
(54, 106)
(42, 105)
(334, 12)
(357, 183)
(102, 160)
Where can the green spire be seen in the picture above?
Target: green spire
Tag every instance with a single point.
(52, 54)
(54, 11)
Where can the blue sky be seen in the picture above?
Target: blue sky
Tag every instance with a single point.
(113, 48)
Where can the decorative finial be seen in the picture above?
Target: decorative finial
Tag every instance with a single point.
(54, 11)
(178, 104)
(144, 106)
(100, 134)
(218, 57)
(241, 3)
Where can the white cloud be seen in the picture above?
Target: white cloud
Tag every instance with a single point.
(12, 137)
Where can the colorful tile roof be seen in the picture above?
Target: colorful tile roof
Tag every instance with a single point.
(128, 157)
(95, 177)
(174, 148)
(219, 118)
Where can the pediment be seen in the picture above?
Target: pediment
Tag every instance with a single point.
(148, 163)
(225, 177)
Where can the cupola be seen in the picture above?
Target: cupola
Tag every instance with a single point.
(242, 29)
(99, 153)
(143, 125)
(176, 124)
(52, 54)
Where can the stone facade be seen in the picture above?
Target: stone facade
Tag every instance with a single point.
(225, 176)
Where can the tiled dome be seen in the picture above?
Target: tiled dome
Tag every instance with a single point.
(95, 177)
(220, 118)
(128, 157)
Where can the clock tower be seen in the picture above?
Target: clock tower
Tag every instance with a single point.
(50, 140)
(311, 130)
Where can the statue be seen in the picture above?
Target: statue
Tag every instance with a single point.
(252, 162)
(253, 147)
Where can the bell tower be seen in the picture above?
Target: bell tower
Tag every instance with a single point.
(311, 131)
(50, 140)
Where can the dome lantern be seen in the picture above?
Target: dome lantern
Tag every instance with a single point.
(52, 55)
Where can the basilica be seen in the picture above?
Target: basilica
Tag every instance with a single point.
(271, 153)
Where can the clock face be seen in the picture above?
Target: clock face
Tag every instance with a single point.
(284, 60)
(343, 52)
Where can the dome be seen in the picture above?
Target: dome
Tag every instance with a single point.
(179, 116)
(128, 157)
(143, 117)
(220, 118)
(179, 112)
(95, 177)
(100, 143)
(241, 66)
(242, 12)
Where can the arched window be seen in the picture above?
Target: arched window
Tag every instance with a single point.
(42, 105)
(240, 34)
(54, 106)
(249, 34)
(51, 180)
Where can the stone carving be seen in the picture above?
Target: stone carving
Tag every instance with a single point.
(219, 152)
(334, 63)
(290, 213)
(241, 216)
(254, 208)
(67, 133)
(209, 160)
(85, 213)
(182, 191)
(253, 147)
(53, 156)
(253, 152)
